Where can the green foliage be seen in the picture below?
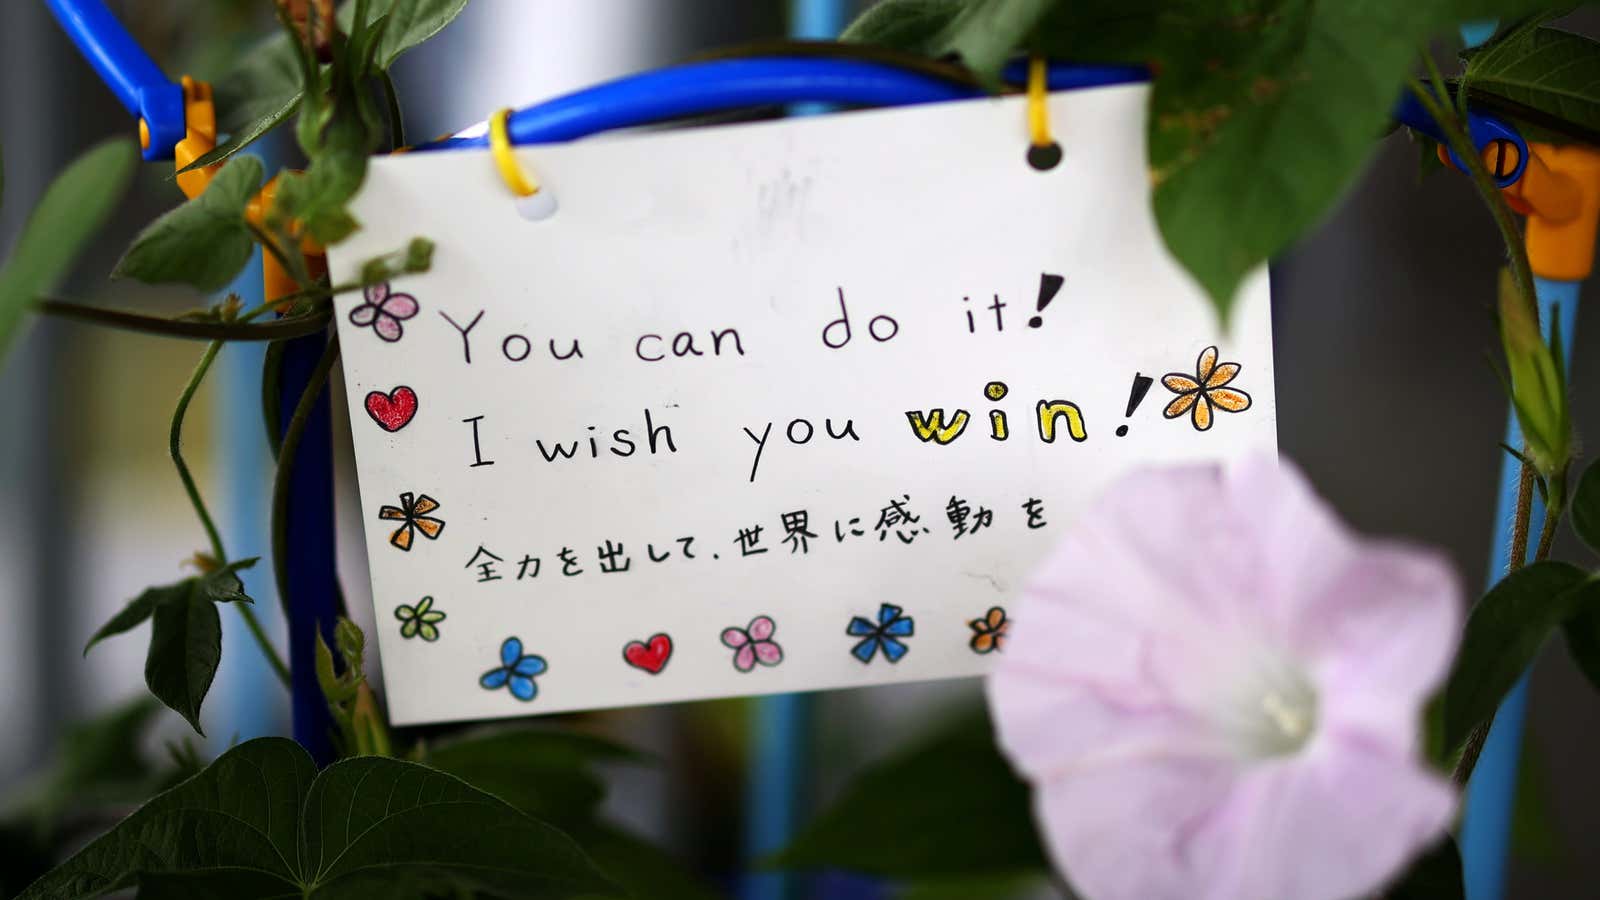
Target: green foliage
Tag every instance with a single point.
(71, 212)
(950, 807)
(1504, 634)
(262, 822)
(546, 774)
(643, 870)
(185, 635)
(1586, 507)
(204, 242)
(1540, 70)
(98, 760)
(268, 84)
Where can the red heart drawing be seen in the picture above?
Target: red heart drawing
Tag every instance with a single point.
(394, 410)
(652, 658)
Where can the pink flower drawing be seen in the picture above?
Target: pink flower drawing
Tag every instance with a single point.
(1216, 690)
(384, 311)
(753, 644)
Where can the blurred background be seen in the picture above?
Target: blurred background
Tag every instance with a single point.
(1381, 317)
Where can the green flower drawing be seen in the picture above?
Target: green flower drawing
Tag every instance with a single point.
(419, 619)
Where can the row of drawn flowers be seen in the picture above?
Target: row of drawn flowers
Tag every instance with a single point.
(753, 645)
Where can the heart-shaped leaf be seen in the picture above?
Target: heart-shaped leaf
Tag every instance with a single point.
(204, 242)
(71, 211)
(1504, 634)
(262, 822)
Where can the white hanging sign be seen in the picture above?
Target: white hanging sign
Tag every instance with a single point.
(766, 407)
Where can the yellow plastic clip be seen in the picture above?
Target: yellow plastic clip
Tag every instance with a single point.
(1043, 152)
(505, 158)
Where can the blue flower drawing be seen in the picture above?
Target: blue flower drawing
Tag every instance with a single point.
(882, 635)
(516, 670)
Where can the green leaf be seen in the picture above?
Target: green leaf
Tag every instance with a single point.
(546, 774)
(185, 635)
(261, 822)
(408, 23)
(1582, 632)
(643, 870)
(98, 760)
(1586, 507)
(1504, 634)
(137, 610)
(204, 242)
(985, 33)
(185, 650)
(1017, 886)
(255, 97)
(72, 210)
(910, 25)
(1547, 70)
(1436, 875)
(948, 808)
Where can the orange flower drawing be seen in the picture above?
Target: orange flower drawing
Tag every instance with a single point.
(989, 632)
(413, 511)
(1198, 395)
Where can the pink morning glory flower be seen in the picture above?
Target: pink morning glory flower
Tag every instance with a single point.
(1216, 689)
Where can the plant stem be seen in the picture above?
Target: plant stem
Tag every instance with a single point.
(286, 455)
(296, 326)
(175, 447)
(1456, 137)
(1450, 122)
(1521, 519)
(397, 127)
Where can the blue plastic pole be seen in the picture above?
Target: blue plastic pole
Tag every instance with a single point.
(312, 577)
(1492, 792)
(140, 85)
(253, 706)
(780, 739)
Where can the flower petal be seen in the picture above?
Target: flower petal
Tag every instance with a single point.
(1338, 821)
(1229, 399)
(887, 612)
(983, 642)
(768, 653)
(388, 327)
(1206, 362)
(363, 315)
(402, 536)
(424, 505)
(400, 306)
(530, 666)
(409, 629)
(429, 633)
(1116, 831)
(404, 612)
(859, 626)
(904, 626)
(1179, 384)
(494, 679)
(429, 526)
(735, 637)
(745, 659)
(523, 687)
(375, 293)
(761, 628)
(1202, 412)
(1181, 404)
(1223, 374)
(864, 649)
(893, 650)
(996, 616)
(510, 652)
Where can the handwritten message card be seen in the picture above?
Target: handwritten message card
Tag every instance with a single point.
(768, 407)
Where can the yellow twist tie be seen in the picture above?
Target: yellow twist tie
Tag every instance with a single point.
(1038, 93)
(505, 159)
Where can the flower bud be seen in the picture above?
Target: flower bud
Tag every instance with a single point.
(1538, 381)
